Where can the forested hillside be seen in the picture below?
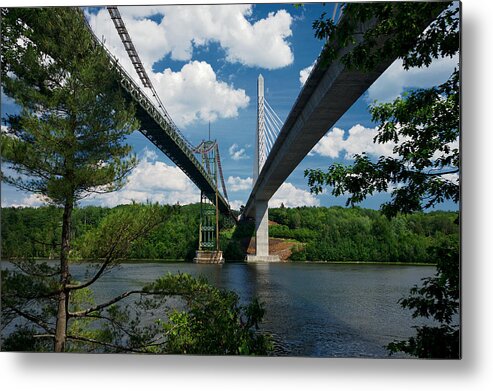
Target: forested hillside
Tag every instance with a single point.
(33, 232)
(357, 234)
(322, 234)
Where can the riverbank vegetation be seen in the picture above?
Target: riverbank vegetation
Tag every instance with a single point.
(332, 234)
(356, 234)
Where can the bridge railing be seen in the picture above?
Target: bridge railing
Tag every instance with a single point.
(131, 86)
(139, 96)
(145, 102)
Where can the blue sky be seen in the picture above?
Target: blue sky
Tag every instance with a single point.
(204, 62)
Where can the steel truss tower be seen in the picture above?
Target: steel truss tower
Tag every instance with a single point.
(209, 213)
(208, 251)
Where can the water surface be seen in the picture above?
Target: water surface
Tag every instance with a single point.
(312, 309)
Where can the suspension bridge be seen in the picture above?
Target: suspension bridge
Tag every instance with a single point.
(158, 127)
(279, 145)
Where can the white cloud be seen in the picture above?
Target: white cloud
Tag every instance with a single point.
(395, 79)
(194, 94)
(152, 181)
(287, 194)
(331, 144)
(29, 201)
(359, 139)
(235, 183)
(237, 153)
(454, 178)
(191, 94)
(149, 155)
(235, 205)
(4, 130)
(184, 28)
(291, 197)
(305, 72)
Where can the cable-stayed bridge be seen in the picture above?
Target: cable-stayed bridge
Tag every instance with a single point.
(326, 95)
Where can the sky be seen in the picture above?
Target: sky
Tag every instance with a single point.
(203, 61)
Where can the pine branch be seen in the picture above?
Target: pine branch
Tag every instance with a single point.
(107, 344)
(98, 307)
(34, 319)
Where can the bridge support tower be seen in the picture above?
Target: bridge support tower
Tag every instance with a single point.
(208, 251)
(261, 206)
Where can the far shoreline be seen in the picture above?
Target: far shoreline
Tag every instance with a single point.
(165, 261)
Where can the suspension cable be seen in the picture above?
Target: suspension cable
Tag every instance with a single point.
(139, 67)
(278, 120)
(220, 169)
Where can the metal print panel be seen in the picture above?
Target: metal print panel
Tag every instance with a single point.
(242, 179)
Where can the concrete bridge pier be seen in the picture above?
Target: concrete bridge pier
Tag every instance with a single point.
(261, 206)
(262, 234)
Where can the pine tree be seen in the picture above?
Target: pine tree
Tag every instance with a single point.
(68, 140)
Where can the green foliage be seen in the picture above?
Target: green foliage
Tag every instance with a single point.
(424, 124)
(31, 232)
(437, 298)
(24, 340)
(200, 319)
(35, 232)
(354, 234)
(212, 322)
(234, 242)
(232, 250)
(28, 296)
(440, 39)
(117, 232)
(176, 238)
(67, 140)
(330, 234)
(300, 234)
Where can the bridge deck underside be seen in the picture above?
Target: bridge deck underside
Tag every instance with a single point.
(153, 131)
(322, 102)
(326, 96)
(321, 112)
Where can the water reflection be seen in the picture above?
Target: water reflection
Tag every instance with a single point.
(311, 309)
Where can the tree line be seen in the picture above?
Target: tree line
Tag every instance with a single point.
(357, 234)
(35, 232)
(323, 234)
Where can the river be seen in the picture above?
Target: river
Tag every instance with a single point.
(312, 309)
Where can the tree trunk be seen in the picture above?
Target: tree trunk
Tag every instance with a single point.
(63, 297)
